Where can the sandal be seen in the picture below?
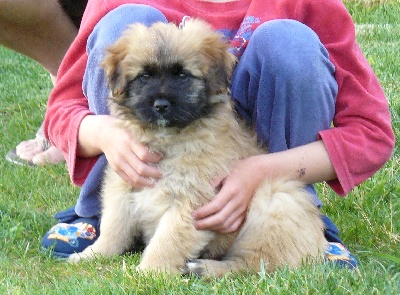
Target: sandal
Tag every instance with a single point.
(13, 157)
(52, 157)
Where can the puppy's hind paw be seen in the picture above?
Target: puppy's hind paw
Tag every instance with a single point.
(195, 267)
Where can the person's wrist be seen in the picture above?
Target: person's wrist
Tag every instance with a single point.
(269, 166)
(93, 135)
(104, 125)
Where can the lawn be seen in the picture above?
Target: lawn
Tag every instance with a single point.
(369, 217)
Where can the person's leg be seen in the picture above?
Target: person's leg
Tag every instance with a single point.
(95, 89)
(74, 9)
(41, 30)
(284, 85)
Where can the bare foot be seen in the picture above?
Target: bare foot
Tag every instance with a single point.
(39, 152)
(27, 149)
(50, 156)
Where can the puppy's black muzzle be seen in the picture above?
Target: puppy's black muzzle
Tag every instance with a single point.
(162, 105)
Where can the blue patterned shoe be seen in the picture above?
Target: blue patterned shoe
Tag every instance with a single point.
(338, 254)
(72, 234)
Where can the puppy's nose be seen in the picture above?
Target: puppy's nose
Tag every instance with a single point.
(161, 105)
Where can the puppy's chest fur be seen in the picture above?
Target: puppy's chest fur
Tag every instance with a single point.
(192, 158)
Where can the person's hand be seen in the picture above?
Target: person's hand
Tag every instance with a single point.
(129, 158)
(309, 163)
(227, 211)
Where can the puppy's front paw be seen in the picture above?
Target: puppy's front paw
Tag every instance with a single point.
(74, 258)
(158, 268)
(77, 257)
(147, 268)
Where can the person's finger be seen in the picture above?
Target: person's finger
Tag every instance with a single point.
(130, 175)
(144, 154)
(217, 182)
(233, 226)
(209, 209)
(220, 201)
(226, 220)
(141, 168)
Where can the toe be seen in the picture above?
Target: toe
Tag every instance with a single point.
(50, 156)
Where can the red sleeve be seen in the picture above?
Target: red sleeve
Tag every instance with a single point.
(67, 105)
(362, 139)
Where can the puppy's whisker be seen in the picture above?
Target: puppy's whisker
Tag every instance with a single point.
(186, 112)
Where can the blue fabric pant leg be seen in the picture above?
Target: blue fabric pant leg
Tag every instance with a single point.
(284, 85)
(95, 89)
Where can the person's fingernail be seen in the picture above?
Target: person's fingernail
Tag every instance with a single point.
(151, 182)
(155, 153)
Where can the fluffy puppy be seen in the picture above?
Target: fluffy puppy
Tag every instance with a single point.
(169, 88)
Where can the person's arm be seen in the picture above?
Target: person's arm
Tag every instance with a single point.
(362, 139)
(226, 212)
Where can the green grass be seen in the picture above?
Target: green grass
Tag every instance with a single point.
(368, 218)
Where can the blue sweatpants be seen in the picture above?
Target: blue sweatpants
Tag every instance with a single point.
(284, 85)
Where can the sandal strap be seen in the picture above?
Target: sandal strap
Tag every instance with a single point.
(45, 144)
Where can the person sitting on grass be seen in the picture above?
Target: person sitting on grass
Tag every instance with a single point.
(301, 81)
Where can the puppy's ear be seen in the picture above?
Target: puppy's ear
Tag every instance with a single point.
(114, 69)
(222, 63)
(219, 60)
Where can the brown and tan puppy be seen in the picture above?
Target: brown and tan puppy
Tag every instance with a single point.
(169, 88)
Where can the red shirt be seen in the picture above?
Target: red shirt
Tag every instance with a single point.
(362, 138)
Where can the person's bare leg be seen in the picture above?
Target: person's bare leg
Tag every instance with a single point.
(42, 31)
(38, 29)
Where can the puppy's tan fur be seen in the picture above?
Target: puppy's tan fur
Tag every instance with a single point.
(283, 227)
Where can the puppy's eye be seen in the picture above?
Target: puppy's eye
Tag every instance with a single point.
(182, 75)
(144, 77)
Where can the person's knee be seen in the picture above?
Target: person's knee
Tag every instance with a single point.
(111, 26)
(290, 49)
(288, 70)
(128, 13)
